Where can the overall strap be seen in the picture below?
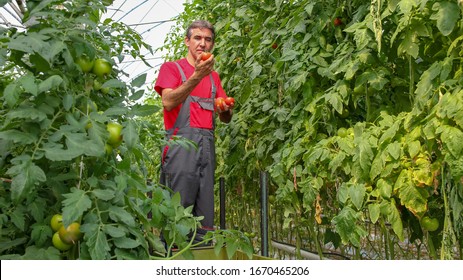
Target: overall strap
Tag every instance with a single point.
(181, 72)
(214, 88)
(183, 118)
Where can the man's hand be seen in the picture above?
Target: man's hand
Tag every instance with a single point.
(204, 67)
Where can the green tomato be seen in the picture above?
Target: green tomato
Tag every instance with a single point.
(97, 85)
(108, 149)
(115, 134)
(59, 244)
(102, 67)
(342, 132)
(430, 224)
(70, 234)
(85, 63)
(56, 222)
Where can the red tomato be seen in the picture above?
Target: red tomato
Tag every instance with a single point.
(205, 55)
(337, 21)
(220, 103)
(229, 101)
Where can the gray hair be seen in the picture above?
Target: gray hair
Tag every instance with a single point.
(200, 24)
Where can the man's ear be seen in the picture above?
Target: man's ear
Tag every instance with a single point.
(186, 41)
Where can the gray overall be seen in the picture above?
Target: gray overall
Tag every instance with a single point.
(190, 171)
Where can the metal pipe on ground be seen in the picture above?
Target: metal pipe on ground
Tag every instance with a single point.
(292, 250)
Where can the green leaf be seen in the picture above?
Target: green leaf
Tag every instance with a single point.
(68, 101)
(114, 231)
(144, 110)
(27, 113)
(130, 134)
(137, 95)
(119, 214)
(57, 153)
(139, 81)
(394, 149)
(451, 137)
(25, 175)
(446, 14)
(50, 83)
(114, 83)
(75, 204)
(377, 165)
(256, 70)
(364, 154)
(374, 211)
(335, 100)
(35, 253)
(18, 217)
(11, 93)
(408, 45)
(28, 83)
(411, 196)
(126, 243)
(346, 225)
(116, 111)
(414, 148)
(279, 134)
(357, 194)
(96, 240)
(385, 189)
(396, 221)
(104, 194)
(18, 137)
(41, 233)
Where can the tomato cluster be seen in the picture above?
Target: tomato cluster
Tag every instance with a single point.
(64, 237)
(220, 102)
(100, 67)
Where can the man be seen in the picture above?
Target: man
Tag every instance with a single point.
(188, 88)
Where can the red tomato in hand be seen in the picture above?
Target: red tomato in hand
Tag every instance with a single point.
(220, 103)
(205, 55)
(229, 101)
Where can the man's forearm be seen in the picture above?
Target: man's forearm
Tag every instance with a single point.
(171, 98)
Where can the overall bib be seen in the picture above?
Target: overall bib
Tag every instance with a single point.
(190, 170)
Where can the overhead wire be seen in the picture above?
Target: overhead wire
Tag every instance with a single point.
(139, 24)
(118, 9)
(131, 10)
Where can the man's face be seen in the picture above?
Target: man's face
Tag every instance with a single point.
(199, 42)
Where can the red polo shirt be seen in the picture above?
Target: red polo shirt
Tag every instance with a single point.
(170, 77)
